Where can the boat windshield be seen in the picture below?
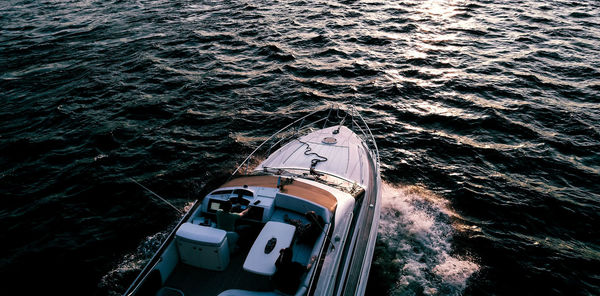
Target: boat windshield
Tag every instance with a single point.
(337, 182)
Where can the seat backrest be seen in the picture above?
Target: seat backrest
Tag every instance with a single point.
(301, 206)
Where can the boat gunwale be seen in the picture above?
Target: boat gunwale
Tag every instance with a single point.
(372, 206)
(141, 278)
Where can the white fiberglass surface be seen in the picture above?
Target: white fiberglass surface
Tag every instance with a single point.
(346, 158)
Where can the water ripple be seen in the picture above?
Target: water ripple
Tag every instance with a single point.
(491, 105)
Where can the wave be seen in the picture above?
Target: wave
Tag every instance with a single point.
(116, 281)
(415, 247)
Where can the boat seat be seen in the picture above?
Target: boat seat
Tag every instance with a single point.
(202, 246)
(237, 292)
(300, 205)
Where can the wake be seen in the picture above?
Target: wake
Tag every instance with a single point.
(415, 244)
(117, 280)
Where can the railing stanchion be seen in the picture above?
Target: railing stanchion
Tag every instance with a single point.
(326, 120)
(265, 141)
(367, 135)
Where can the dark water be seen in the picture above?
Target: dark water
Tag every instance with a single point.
(487, 115)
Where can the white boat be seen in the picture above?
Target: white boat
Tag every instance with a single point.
(323, 175)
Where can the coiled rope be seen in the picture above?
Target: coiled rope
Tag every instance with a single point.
(314, 161)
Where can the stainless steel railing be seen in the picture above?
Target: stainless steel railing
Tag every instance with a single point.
(298, 128)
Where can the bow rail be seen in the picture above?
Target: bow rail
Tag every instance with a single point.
(297, 128)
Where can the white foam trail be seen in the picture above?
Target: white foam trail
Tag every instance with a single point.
(416, 226)
(116, 281)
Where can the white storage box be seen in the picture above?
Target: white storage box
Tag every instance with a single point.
(202, 246)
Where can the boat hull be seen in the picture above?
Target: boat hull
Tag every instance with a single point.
(330, 172)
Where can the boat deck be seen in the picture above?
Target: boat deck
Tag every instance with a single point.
(341, 151)
(196, 281)
(199, 282)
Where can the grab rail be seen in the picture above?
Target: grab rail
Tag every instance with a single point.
(370, 135)
(271, 137)
(367, 136)
(156, 258)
